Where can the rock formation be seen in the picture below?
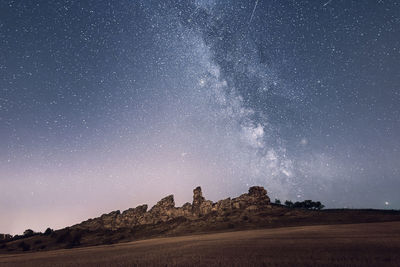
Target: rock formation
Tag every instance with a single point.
(255, 200)
(198, 200)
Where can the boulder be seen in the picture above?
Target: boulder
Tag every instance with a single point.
(163, 205)
(131, 217)
(110, 220)
(257, 191)
(163, 211)
(198, 199)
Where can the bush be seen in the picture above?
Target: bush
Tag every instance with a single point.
(48, 231)
(24, 246)
(107, 241)
(71, 238)
(306, 204)
(28, 233)
(63, 236)
(277, 201)
(76, 238)
(289, 203)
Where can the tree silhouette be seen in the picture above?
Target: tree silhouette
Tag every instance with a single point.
(306, 204)
(48, 231)
(28, 233)
(289, 203)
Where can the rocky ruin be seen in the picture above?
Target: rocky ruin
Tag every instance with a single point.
(255, 200)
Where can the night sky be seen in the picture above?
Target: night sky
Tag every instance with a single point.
(106, 105)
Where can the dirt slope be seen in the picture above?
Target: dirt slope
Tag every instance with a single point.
(368, 244)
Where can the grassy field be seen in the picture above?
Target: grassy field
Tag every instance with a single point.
(368, 244)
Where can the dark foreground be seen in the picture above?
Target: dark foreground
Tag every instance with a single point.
(368, 244)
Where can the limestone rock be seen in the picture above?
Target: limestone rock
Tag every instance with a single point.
(206, 207)
(109, 221)
(198, 199)
(164, 204)
(162, 211)
(165, 210)
(131, 217)
(223, 206)
(186, 210)
(255, 199)
(257, 191)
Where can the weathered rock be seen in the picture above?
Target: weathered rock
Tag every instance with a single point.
(187, 206)
(165, 210)
(206, 207)
(164, 204)
(257, 191)
(259, 196)
(251, 208)
(256, 199)
(131, 217)
(185, 210)
(223, 206)
(109, 221)
(198, 199)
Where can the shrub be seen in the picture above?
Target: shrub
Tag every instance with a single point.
(24, 246)
(76, 238)
(318, 205)
(289, 203)
(63, 236)
(72, 238)
(107, 241)
(28, 233)
(277, 201)
(306, 204)
(48, 231)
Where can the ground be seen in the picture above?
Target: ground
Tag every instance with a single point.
(367, 244)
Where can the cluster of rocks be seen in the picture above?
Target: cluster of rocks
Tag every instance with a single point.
(256, 199)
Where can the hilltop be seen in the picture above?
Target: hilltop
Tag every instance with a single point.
(252, 210)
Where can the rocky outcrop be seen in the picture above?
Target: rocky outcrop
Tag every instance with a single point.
(198, 199)
(133, 217)
(255, 200)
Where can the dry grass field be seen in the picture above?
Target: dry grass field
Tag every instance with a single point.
(368, 244)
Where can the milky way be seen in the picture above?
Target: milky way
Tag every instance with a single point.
(108, 105)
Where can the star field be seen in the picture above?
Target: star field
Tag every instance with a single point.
(106, 105)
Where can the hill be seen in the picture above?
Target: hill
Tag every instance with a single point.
(368, 244)
(252, 210)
